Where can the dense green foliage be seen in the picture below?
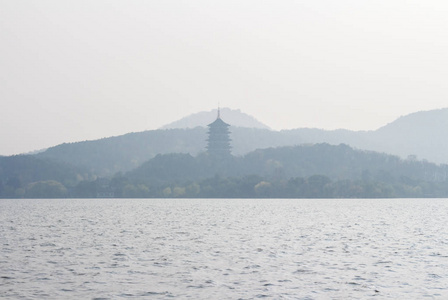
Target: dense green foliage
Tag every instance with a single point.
(108, 156)
(30, 177)
(307, 171)
(419, 134)
(336, 162)
(316, 186)
(314, 171)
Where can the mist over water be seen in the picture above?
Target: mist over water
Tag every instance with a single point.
(224, 249)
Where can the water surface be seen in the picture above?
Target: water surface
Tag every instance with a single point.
(224, 249)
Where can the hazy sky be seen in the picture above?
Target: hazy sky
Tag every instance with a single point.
(77, 70)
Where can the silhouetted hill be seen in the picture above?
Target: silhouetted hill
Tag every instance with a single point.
(421, 134)
(22, 175)
(234, 117)
(319, 170)
(108, 156)
(336, 162)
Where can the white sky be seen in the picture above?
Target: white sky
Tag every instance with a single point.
(77, 70)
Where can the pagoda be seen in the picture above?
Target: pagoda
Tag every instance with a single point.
(218, 142)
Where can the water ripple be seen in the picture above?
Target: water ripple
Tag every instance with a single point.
(223, 249)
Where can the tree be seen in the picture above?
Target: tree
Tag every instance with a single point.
(46, 189)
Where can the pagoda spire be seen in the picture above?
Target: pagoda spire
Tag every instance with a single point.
(218, 142)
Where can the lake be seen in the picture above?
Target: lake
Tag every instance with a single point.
(224, 249)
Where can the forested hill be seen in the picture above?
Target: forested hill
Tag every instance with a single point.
(28, 176)
(320, 170)
(108, 156)
(335, 162)
(420, 135)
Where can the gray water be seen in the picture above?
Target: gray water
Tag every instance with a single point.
(224, 249)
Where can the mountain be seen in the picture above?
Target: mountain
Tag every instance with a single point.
(335, 161)
(234, 117)
(319, 170)
(108, 156)
(306, 171)
(27, 175)
(420, 135)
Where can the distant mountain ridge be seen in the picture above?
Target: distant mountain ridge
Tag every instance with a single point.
(337, 162)
(31, 177)
(231, 116)
(421, 135)
(305, 171)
